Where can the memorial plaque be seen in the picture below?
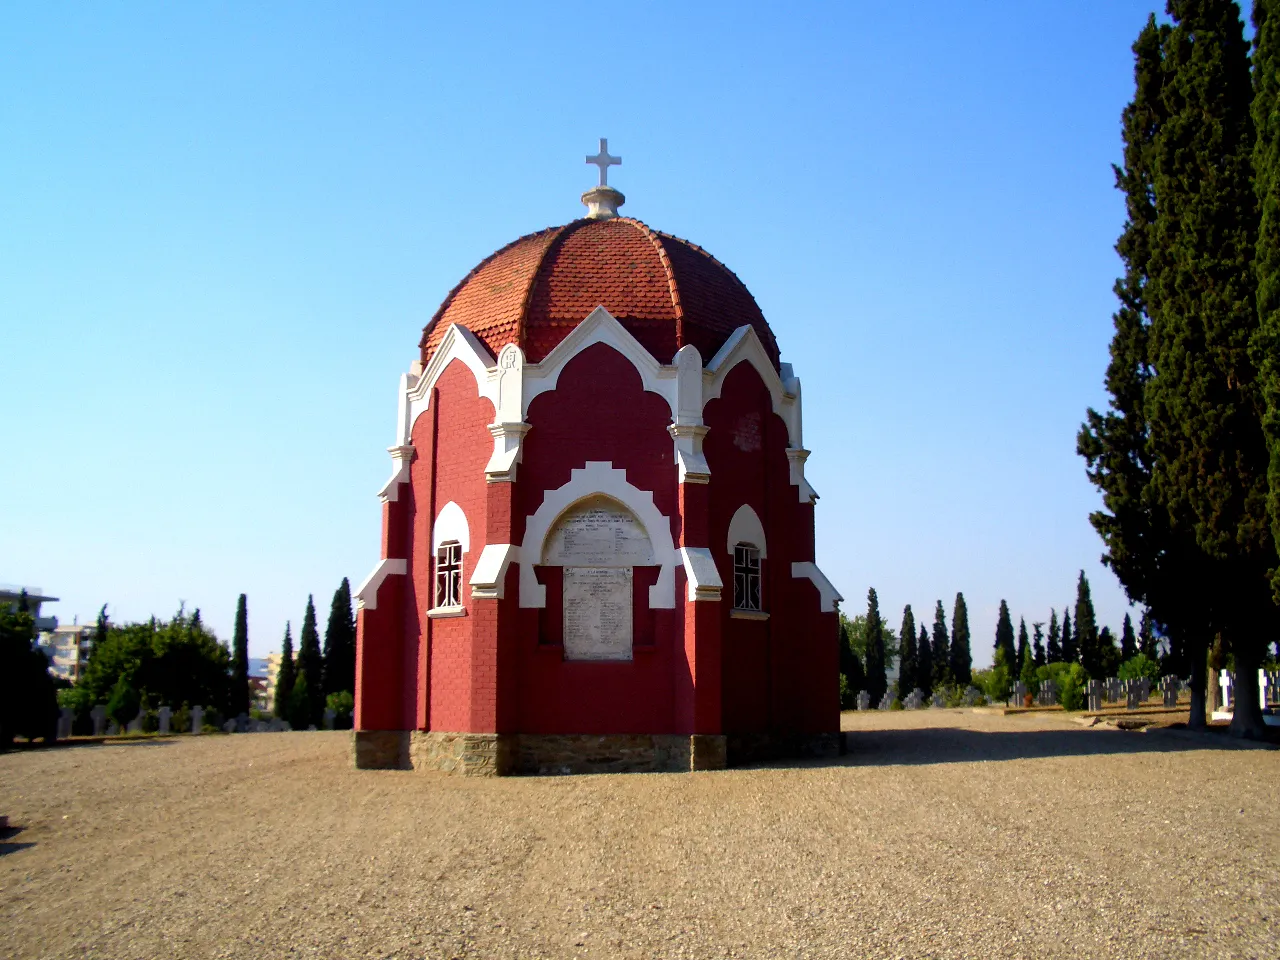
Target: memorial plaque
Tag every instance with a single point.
(597, 613)
(599, 533)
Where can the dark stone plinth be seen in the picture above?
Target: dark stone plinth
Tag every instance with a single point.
(381, 749)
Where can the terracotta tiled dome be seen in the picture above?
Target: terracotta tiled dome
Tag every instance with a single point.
(666, 291)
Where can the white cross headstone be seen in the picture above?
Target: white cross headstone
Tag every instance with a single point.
(1095, 695)
(66, 717)
(229, 726)
(1169, 687)
(165, 716)
(329, 714)
(939, 700)
(1262, 687)
(99, 716)
(113, 729)
(604, 161)
(197, 719)
(1224, 681)
(864, 700)
(135, 725)
(1019, 693)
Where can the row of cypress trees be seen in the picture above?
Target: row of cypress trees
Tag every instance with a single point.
(305, 682)
(927, 661)
(1188, 456)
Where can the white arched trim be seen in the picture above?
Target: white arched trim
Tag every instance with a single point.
(458, 343)
(599, 478)
(451, 524)
(744, 346)
(745, 527)
(600, 327)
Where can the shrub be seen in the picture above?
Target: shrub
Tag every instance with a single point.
(1071, 692)
(343, 705)
(1140, 666)
(994, 682)
(846, 694)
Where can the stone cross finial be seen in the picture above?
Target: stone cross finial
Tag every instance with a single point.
(604, 161)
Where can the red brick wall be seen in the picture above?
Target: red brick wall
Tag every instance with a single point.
(456, 688)
(776, 673)
(599, 411)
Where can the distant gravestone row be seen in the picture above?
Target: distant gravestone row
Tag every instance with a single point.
(915, 700)
(104, 726)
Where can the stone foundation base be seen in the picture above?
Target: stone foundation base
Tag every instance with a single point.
(381, 749)
(494, 755)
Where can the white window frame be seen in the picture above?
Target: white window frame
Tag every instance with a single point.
(746, 571)
(447, 579)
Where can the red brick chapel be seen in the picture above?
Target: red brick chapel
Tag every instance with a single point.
(597, 538)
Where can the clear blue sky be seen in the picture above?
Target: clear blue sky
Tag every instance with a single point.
(223, 226)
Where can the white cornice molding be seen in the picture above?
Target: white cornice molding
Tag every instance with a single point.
(598, 478)
(401, 458)
(367, 592)
(700, 571)
(458, 343)
(488, 578)
(829, 595)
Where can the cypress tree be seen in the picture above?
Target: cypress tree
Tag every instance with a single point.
(100, 635)
(1128, 642)
(1037, 643)
(1024, 641)
(1146, 636)
(924, 662)
(876, 682)
(1087, 629)
(240, 660)
(961, 655)
(284, 678)
(311, 663)
(908, 664)
(1266, 181)
(1069, 652)
(1004, 650)
(1204, 406)
(1053, 650)
(340, 643)
(941, 648)
(850, 663)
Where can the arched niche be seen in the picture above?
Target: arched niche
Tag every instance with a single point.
(597, 543)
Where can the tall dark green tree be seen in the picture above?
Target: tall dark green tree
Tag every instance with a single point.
(285, 677)
(1266, 182)
(850, 663)
(1004, 640)
(1070, 653)
(1128, 640)
(1152, 560)
(961, 654)
(239, 701)
(1147, 636)
(1037, 643)
(1053, 649)
(941, 648)
(1087, 629)
(340, 643)
(877, 684)
(1204, 405)
(908, 660)
(311, 665)
(1024, 641)
(924, 662)
(100, 634)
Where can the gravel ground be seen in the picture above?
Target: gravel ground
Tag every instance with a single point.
(942, 834)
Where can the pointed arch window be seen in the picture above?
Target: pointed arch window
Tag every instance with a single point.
(746, 578)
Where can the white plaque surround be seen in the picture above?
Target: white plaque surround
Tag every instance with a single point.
(597, 613)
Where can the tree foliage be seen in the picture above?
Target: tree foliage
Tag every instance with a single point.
(1087, 629)
(311, 665)
(1004, 638)
(28, 701)
(284, 677)
(159, 663)
(239, 699)
(941, 648)
(961, 654)
(340, 643)
(873, 632)
(908, 661)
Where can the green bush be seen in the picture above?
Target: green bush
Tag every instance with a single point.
(1140, 666)
(994, 682)
(847, 700)
(343, 705)
(1071, 690)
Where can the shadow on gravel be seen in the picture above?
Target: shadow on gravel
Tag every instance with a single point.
(6, 846)
(951, 745)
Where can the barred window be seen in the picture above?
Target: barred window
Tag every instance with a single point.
(449, 574)
(746, 577)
